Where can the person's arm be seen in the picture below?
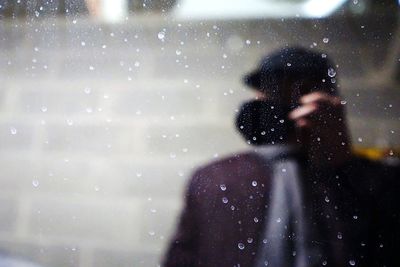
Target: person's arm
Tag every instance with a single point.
(182, 250)
(321, 126)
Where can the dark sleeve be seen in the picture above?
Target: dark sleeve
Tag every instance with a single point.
(182, 250)
(388, 220)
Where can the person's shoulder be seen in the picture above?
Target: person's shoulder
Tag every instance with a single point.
(373, 176)
(231, 162)
(389, 166)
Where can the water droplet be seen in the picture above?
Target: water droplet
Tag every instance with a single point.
(224, 200)
(137, 64)
(324, 263)
(249, 240)
(91, 68)
(248, 42)
(352, 262)
(325, 40)
(43, 108)
(70, 122)
(161, 35)
(223, 187)
(87, 90)
(339, 235)
(355, 217)
(241, 246)
(152, 233)
(360, 139)
(139, 174)
(254, 183)
(278, 220)
(13, 130)
(83, 43)
(178, 52)
(326, 199)
(255, 219)
(331, 72)
(35, 183)
(343, 102)
(74, 21)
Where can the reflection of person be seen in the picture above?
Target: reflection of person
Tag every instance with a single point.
(252, 209)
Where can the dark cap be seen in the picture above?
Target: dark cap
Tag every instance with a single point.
(293, 63)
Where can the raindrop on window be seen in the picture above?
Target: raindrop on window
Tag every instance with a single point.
(161, 35)
(331, 72)
(339, 235)
(35, 183)
(13, 130)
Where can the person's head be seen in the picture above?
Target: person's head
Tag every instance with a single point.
(286, 74)
(282, 77)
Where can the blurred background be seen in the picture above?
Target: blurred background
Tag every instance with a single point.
(106, 106)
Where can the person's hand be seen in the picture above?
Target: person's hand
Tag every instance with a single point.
(322, 129)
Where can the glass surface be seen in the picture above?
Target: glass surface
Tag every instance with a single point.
(107, 107)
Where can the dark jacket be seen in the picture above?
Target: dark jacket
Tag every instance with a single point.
(353, 208)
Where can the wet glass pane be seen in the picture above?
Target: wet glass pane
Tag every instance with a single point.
(108, 107)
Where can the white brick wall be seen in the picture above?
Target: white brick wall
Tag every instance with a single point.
(94, 162)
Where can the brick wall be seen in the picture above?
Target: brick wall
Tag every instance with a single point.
(100, 126)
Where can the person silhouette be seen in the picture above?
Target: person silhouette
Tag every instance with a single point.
(299, 197)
